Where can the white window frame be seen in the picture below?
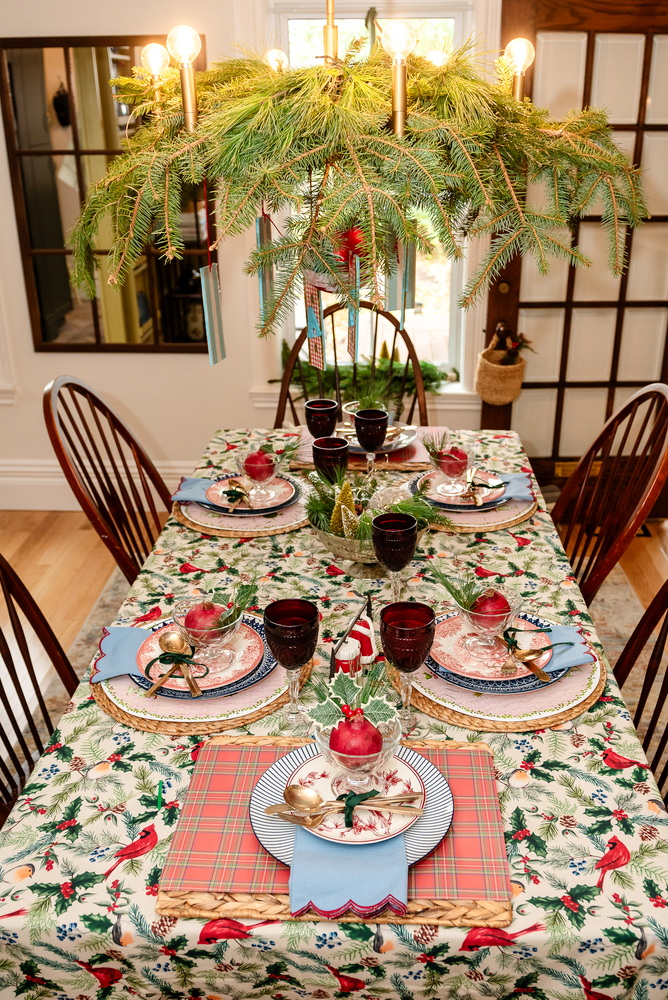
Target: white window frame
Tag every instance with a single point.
(462, 12)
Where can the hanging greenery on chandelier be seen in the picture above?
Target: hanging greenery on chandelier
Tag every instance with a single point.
(315, 144)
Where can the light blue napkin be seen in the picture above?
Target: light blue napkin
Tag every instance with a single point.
(193, 488)
(119, 645)
(566, 656)
(518, 486)
(332, 878)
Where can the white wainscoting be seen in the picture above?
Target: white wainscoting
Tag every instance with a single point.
(27, 484)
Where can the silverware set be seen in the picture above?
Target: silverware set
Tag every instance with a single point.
(304, 807)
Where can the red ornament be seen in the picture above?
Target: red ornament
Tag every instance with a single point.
(349, 245)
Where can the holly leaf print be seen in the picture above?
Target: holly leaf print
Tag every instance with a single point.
(621, 935)
(97, 922)
(33, 979)
(536, 845)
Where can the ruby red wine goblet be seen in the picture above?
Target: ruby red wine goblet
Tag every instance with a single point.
(330, 456)
(291, 630)
(321, 416)
(394, 539)
(370, 431)
(406, 635)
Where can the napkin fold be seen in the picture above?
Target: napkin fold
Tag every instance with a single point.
(566, 656)
(192, 488)
(518, 486)
(331, 879)
(118, 648)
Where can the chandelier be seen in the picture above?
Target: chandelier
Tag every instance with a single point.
(354, 153)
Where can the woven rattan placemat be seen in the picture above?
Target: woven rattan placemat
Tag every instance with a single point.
(198, 727)
(241, 532)
(460, 912)
(515, 725)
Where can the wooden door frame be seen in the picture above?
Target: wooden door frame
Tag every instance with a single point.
(524, 18)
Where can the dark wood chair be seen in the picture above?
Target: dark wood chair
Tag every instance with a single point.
(26, 639)
(614, 487)
(385, 329)
(644, 657)
(115, 482)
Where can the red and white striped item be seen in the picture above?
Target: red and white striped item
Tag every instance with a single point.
(362, 630)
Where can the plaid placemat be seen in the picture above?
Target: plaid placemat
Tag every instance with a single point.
(214, 849)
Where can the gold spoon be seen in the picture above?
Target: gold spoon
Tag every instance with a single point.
(306, 802)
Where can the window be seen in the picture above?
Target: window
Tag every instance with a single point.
(63, 128)
(434, 324)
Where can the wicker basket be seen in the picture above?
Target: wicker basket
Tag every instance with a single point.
(498, 384)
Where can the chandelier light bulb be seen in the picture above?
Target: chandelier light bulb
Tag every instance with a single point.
(155, 58)
(277, 59)
(437, 56)
(183, 44)
(398, 39)
(520, 53)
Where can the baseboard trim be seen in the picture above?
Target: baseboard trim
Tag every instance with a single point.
(27, 484)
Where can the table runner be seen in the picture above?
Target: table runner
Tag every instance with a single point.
(463, 882)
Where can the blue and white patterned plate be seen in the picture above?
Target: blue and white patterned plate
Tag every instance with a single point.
(255, 511)
(414, 484)
(278, 837)
(261, 670)
(510, 685)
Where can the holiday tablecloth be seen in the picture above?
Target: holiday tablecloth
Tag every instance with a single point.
(586, 831)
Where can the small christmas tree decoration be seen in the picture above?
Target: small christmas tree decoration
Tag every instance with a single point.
(344, 499)
(351, 523)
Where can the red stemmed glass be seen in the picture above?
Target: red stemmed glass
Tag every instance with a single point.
(394, 539)
(291, 631)
(370, 431)
(330, 455)
(321, 416)
(406, 635)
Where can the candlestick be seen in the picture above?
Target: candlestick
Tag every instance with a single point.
(399, 39)
(331, 34)
(183, 44)
(521, 53)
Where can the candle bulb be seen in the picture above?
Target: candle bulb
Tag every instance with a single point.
(521, 54)
(155, 60)
(399, 39)
(183, 45)
(277, 59)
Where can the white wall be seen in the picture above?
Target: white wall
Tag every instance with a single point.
(173, 403)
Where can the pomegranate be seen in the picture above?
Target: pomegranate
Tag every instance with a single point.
(259, 466)
(452, 463)
(489, 610)
(355, 735)
(203, 618)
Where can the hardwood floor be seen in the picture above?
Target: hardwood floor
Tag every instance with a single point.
(61, 560)
(65, 565)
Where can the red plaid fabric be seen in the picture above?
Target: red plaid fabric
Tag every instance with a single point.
(316, 352)
(214, 848)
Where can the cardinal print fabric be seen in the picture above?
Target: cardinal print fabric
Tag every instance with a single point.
(585, 828)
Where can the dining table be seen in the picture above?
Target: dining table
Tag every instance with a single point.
(585, 827)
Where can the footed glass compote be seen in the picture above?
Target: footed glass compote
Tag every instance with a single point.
(451, 462)
(488, 616)
(260, 467)
(209, 643)
(359, 772)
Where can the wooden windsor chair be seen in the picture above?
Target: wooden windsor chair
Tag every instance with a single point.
(386, 328)
(28, 647)
(644, 657)
(614, 487)
(115, 482)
